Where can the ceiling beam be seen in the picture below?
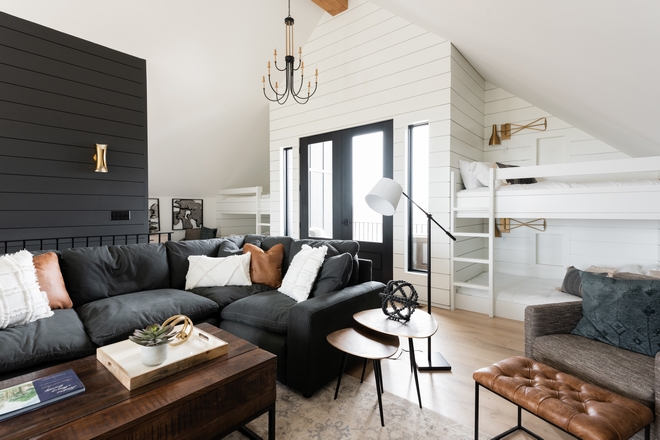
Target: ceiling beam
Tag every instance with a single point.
(332, 7)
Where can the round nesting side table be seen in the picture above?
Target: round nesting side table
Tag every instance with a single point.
(420, 325)
(368, 344)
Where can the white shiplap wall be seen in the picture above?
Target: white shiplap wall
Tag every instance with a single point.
(566, 242)
(467, 143)
(375, 66)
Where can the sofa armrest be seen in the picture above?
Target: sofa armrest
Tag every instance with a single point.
(365, 268)
(311, 360)
(550, 319)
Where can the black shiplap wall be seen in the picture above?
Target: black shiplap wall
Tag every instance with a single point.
(60, 95)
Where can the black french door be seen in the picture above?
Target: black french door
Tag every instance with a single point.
(337, 170)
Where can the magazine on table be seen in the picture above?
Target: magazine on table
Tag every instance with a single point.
(32, 395)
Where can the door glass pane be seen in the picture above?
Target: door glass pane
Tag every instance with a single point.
(320, 190)
(367, 170)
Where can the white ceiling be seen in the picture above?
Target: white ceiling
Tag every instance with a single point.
(592, 63)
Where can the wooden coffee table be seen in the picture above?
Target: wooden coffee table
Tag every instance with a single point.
(208, 400)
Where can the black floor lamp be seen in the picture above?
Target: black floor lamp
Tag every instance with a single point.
(384, 198)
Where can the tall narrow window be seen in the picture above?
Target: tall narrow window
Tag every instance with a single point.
(418, 189)
(287, 197)
(320, 190)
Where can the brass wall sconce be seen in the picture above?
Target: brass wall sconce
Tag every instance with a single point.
(506, 130)
(505, 225)
(99, 157)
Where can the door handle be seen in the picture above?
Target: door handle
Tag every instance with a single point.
(345, 222)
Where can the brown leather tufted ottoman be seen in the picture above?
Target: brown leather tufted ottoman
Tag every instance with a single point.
(579, 408)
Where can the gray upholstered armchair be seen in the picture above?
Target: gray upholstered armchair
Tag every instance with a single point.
(630, 374)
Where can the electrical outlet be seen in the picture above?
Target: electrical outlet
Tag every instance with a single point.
(120, 215)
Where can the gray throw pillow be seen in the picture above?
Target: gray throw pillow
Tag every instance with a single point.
(207, 233)
(334, 274)
(573, 283)
(620, 312)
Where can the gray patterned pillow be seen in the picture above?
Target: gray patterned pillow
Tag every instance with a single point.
(573, 283)
(620, 312)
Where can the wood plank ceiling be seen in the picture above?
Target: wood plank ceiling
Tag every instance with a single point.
(332, 7)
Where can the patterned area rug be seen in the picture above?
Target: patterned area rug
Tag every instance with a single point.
(354, 415)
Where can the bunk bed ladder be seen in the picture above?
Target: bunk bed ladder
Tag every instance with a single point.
(490, 234)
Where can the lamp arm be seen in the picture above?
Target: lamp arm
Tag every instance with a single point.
(430, 217)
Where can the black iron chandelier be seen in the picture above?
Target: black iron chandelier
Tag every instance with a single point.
(290, 60)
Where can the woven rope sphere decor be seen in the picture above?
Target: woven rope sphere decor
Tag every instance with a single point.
(398, 304)
(186, 330)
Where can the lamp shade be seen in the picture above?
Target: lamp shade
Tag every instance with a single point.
(384, 196)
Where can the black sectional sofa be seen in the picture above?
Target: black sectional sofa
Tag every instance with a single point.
(116, 289)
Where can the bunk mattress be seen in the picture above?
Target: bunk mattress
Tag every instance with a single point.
(632, 199)
(519, 289)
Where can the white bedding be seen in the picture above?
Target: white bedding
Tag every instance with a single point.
(519, 289)
(551, 184)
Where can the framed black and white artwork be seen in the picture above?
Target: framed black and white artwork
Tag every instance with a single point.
(187, 213)
(154, 215)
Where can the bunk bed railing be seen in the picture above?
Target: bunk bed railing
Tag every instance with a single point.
(617, 166)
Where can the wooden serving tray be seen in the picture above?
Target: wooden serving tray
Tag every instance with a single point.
(122, 359)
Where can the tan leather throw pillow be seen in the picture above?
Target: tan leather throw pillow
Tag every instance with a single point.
(51, 281)
(266, 267)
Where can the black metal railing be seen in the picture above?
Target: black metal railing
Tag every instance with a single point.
(60, 243)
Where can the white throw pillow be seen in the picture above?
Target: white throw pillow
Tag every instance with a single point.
(206, 271)
(21, 300)
(481, 170)
(300, 276)
(470, 173)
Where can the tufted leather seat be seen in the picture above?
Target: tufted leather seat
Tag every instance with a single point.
(580, 408)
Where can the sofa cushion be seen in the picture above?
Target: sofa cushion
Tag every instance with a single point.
(178, 253)
(59, 338)
(266, 267)
(93, 273)
(621, 371)
(334, 274)
(266, 310)
(50, 280)
(225, 295)
(621, 312)
(335, 247)
(231, 246)
(113, 319)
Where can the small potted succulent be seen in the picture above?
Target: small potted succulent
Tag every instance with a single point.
(154, 340)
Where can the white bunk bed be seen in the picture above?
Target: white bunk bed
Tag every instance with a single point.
(617, 198)
(241, 204)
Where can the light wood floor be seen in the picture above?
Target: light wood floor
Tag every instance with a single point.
(468, 341)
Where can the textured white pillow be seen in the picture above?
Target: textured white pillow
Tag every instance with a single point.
(300, 276)
(469, 174)
(206, 271)
(21, 300)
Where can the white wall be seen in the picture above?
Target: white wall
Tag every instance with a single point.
(375, 66)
